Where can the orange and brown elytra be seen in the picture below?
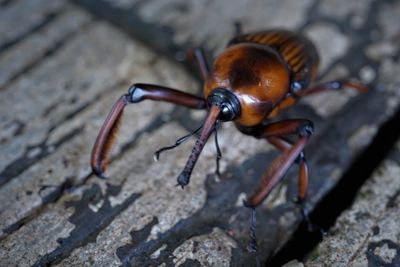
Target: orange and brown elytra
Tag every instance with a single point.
(257, 76)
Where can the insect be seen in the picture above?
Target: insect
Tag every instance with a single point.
(254, 79)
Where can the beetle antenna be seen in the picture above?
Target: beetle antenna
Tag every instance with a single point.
(219, 154)
(208, 128)
(177, 143)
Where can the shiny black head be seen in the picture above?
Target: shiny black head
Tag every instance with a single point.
(227, 102)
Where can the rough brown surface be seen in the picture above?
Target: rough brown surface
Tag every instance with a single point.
(62, 66)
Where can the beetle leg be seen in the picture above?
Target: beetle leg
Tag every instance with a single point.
(197, 55)
(328, 86)
(334, 85)
(136, 93)
(283, 145)
(139, 92)
(237, 28)
(301, 127)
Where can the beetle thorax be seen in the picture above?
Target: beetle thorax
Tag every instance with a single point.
(255, 74)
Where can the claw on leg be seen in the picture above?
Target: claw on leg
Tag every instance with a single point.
(136, 93)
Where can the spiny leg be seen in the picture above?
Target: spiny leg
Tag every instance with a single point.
(237, 28)
(197, 56)
(136, 93)
(283, 145)
(297, 92)
(333, 86)
(301, 127)
(290, 152)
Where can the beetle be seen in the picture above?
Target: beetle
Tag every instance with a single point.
(256, 77)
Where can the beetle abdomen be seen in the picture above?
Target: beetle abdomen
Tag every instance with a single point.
(297, 51)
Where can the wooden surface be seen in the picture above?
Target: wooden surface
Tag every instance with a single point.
(368, 233)
(64, 63)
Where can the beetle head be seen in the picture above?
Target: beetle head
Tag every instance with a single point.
(227, 102)
(223, 106)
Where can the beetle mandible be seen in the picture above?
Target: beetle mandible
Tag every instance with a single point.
(258, 75)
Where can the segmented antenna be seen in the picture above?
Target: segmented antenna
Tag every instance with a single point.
(208, 127)
(177, 143)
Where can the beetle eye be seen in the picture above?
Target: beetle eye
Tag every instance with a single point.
(227, 102)
(225, 110)
(225, 113)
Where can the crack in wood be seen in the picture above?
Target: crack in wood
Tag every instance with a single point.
(359, 248)
(346, 57)
(52, 197)
(49, 18)
(19, 165)
(392, 200)
(137, 237)
(202, 222)
(128, 21)
(18, 128)
(88, 224)
(52, 50)
(180, 232)
(330, 206)
(146, 33)
(216, 212)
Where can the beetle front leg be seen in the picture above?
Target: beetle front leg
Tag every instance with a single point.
(197, 55)
(136, 93)
(301, 127)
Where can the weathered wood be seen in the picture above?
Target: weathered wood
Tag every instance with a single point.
(41, 43)
(25, 17)
(53, 211)
(368, 233)
(66, 95)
